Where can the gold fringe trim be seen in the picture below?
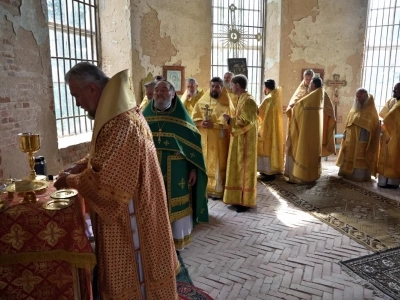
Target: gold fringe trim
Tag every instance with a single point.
(78, 260)
(180, 200)
(179, 215)
(172, 120)
(182, 243)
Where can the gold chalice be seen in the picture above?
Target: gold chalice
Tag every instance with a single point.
(29, 143)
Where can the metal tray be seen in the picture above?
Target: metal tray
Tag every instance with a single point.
(57, 204)
(37, 185)
(64, 194)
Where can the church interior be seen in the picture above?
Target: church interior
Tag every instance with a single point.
(275, 251)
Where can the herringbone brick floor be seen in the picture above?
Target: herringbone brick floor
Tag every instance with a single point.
(275, 251)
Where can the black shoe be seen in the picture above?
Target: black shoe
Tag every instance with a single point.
(241, 208)
(389, 186)
(216, 198)
(268, 177)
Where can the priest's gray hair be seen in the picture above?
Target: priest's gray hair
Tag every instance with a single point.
(362, 90)
(192, 80)
(171, 87)
(230, 73)
(150, 84)
(309, 72)
(85, 73)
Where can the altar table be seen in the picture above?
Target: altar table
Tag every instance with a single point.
(44, 254)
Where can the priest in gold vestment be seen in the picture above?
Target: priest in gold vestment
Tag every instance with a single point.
(358, 152)
(328, 127)
(149, 89)
(227, 85)
(208, 117)
(123, 185)
(388, 162)
(304, 142)
(192, 94)
(301, 91)
(270, 133)
(241, 174)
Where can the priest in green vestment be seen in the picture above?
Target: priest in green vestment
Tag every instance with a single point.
(178, 144)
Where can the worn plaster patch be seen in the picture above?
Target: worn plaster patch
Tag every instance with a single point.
(159, 49)
(329, 44)
(300, 9)
(31, 19)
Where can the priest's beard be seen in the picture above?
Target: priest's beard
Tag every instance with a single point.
(227, 85)
(358, 106)
(161, 106)
(191, 95)
(214, 94)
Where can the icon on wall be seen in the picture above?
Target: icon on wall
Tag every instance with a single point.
(176, 76)
(237, 66)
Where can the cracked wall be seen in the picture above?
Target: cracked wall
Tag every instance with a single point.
(321, 34)
(174, 34)
(115, 37)
(145, 35)
(26, 94)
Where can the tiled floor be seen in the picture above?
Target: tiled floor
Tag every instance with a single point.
(275, 251)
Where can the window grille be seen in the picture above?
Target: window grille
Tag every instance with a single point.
(382, 54)
(238, 32)
(73, 38)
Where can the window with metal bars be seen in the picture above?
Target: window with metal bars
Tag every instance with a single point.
(381, 69)
(73, 38)
(238, 32)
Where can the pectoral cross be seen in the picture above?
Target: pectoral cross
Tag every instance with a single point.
(207, 110)
(159, 135)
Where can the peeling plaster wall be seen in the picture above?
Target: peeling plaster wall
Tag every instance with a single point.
(176, 34)
(116, 41)
(323, 34)
(145, 35)
(273, 40)
(26, 94)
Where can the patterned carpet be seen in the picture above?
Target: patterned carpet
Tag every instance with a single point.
(369, 218)
(185, 287)
(379, 269)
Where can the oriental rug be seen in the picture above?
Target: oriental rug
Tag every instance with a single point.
(382, 270)
(367, 217)
(186, 289)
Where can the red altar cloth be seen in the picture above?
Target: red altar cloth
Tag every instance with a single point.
(44, 254)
